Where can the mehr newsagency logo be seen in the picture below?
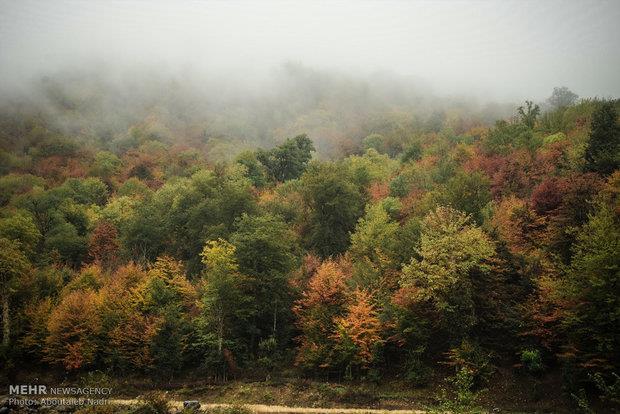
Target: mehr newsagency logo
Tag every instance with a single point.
(39, 394)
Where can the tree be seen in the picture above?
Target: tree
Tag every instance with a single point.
(288, 160)
(468, 192)
(335, 205)
(167, 295)
(74, 327)
(451, 249)
(562, 97)
(105, 165)
(374, 235)
(322, 301)
(592, 293)
(504, 137)
(86, 191)
(15, 184)
(358, 332)
(373, 245)
(20, 227)
(13, 265)
(265, 250)
(529, 114)
(226, 303)
(376, 142)
(603, 150)
(103, 244)
(564, 203)
(185, 213)
(255, 170)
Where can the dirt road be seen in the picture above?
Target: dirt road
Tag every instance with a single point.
(260, 408)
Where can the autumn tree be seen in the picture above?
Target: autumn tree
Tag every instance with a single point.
(20, 227)
(167, 294)
(322, 301)
(467, 192)
(373, 245)
(129, 330)
(74, 326)
(255, 170)
(103, 246)
(105, 165)
(358, 333)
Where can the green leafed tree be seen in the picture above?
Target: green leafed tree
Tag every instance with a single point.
(288, 160)
(266, 249)
(451, 249)
(468, 192)
(592, 293)
(13, 265)
(226, 305)
(603, 150)
(529, 114)
(335, 205)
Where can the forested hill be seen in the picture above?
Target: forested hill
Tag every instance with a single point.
(424, 241)
(219, 116)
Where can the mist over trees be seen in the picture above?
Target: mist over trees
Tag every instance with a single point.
(221, 118)
(348, 229)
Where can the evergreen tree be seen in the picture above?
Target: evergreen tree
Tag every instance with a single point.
(603, 151)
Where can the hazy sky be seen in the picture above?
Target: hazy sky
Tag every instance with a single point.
(500, 48)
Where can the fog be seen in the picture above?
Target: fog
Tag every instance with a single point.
(241, 74)
(499, 50)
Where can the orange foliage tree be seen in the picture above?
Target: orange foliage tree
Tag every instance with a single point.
(323, 300)
(74, 327)
(103, 244)
(358, 332)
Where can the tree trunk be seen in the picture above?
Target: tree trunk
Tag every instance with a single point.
(275, 317)
(6, 321)
(220, 334)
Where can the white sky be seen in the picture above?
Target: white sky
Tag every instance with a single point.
(500, 49)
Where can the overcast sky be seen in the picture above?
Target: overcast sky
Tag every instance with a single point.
(501, 49)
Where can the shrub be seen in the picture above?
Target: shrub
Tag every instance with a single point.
(153, 403)
(417, 372)
(532, 361)
(474, 358)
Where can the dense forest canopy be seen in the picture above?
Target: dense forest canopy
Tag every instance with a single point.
(352, 228)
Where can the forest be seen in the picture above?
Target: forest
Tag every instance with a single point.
(332, 231)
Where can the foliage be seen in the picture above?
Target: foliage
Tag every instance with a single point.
(288, 160)
(603, 150)
(532, 360)
(74, 326)
(358, 331)
(103, 244)
(321, 303)
(335, 204)
(529, 113)
(562, 97)
(162, 246)
(153, 403)
(591, 290)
